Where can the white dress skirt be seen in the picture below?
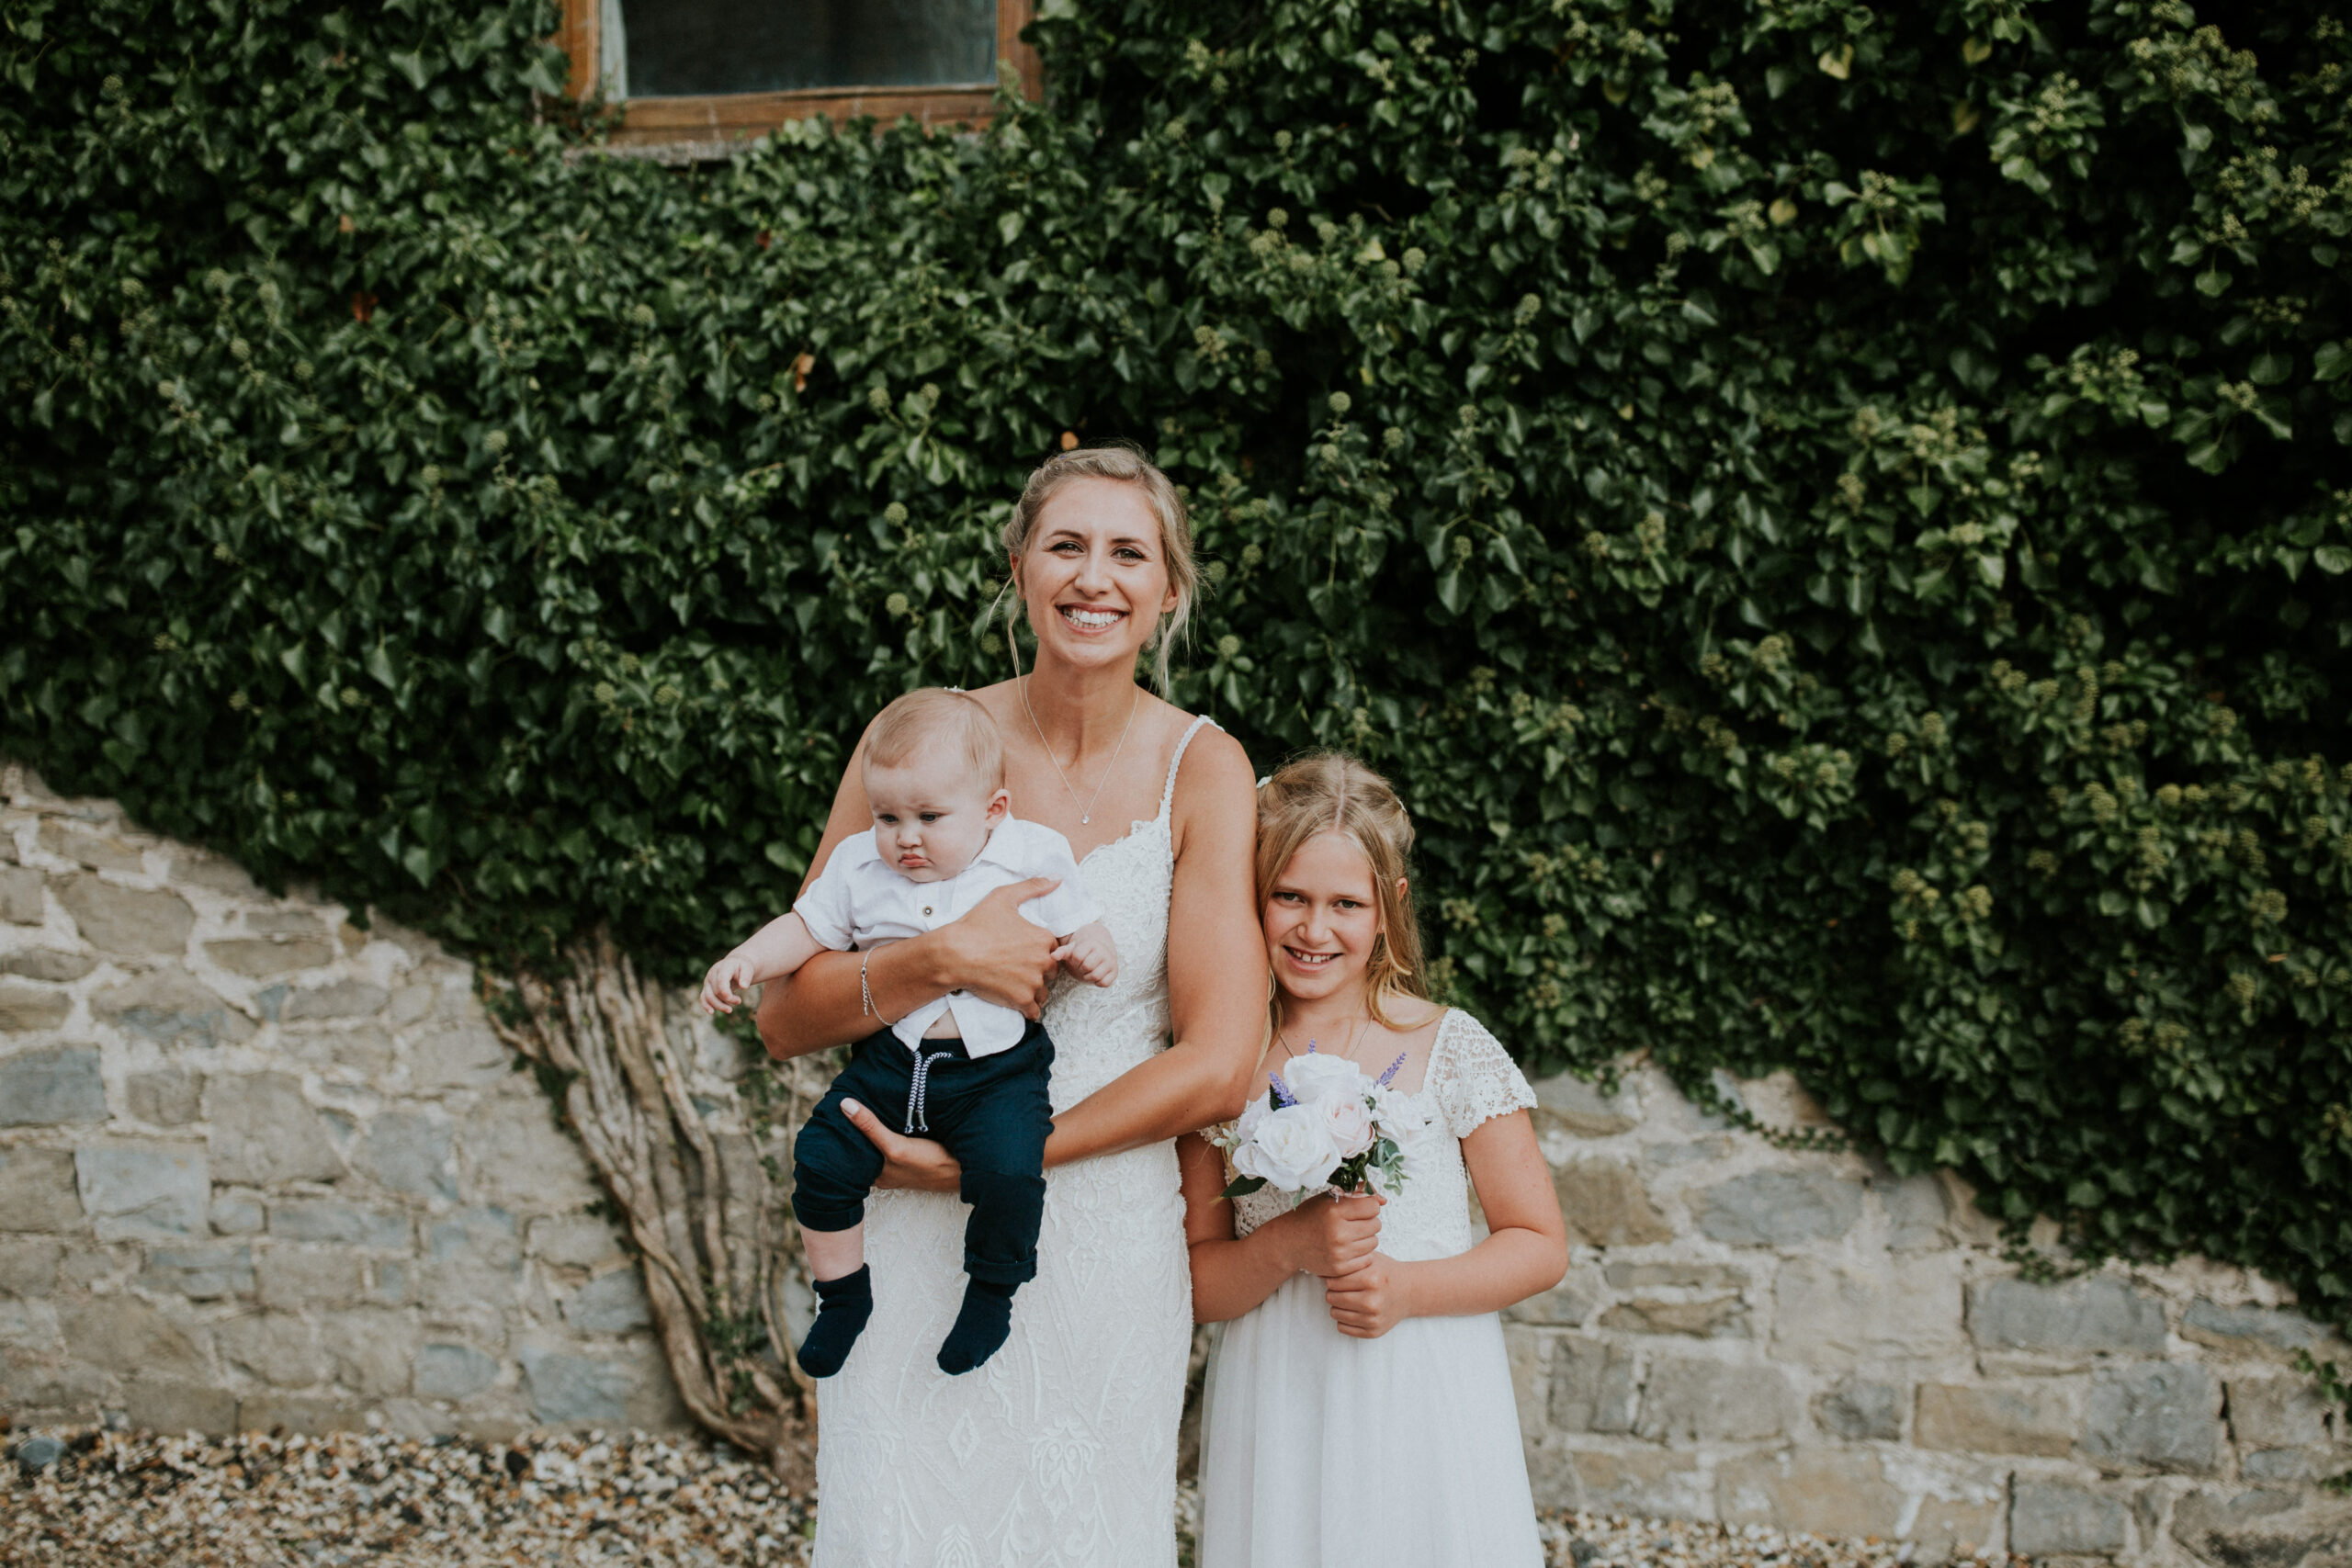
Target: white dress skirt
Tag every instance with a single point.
(1320, 1450)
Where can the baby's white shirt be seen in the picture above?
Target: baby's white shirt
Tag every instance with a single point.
(859, 900)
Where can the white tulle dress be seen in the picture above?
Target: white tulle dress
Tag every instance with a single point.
(1061, 1452)
(1319, 1450)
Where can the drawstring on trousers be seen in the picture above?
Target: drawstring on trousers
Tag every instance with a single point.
(917, 1088)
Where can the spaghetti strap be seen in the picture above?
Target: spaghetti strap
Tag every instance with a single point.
(1168, 791)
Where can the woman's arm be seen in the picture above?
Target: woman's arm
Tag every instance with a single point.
(992, 952)
(1216, 962)
(1323, 1236)
(1526, 1249)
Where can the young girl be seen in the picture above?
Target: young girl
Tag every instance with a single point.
(1359, 1406)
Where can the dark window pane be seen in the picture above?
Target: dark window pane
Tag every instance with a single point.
(682, 47)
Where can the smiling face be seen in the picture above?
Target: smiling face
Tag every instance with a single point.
(1321, 918)
(1094, 575)
(930, 817)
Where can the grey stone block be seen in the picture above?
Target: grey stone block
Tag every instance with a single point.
(259, 957)
(166, 1098)
(20, 900)
(372, 1351)
(1563, 1306)
(389, 1282)
(2165, 1415)
(1832, 1314)
(410, 1151)
(311, 1415)
(47, 964)
(2079, 1316)
(235, 1214)
(1676, 1275)
(567, 1389)
(264, 1132)
(126, 919)
(1606, 1205)
(275, 1347)
(1593, 1386)
(28, 1327)
(2051, 1517)
(28, 1265)
(2251, 1331)
(140, 1190)
(1915, 1212)
(481, 1235)
(176, 1404)
(57, 1087)
(343, 998)
(612, 1302)
(1860, 1411)
(1688, 1400)
(38, 1192)
(212, 872)
(295, 1277)
(1721, 1319)
(352, 1224)
(576, 1241)
(31, 1010)
(169, 1008)
(201, 1273)
(99, 851)
(1775, 1208)
(364, 1049)
(1575, 1105)
(455, 1371)
(2038, 1415)
(468, 1056)
(521, 1160)
(2266, 1528)
(124, 1334)
(2276, 1413)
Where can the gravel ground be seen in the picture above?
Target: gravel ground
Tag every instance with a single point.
(128, 1500)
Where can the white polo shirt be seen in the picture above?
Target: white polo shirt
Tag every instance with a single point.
(861, 901)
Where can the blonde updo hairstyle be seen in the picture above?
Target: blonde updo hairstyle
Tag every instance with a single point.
(1127, 464)
(1331, 792)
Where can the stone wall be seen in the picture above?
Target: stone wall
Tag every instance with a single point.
(1804, 1340)
(261, 1166)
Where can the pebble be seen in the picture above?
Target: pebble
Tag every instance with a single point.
(139, 1500)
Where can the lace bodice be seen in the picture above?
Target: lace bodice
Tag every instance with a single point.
(1061, 1452)
(1470, 1078)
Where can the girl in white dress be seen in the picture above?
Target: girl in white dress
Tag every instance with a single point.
(1359, 1405)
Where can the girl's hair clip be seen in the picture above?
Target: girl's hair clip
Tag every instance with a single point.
(1264, 782)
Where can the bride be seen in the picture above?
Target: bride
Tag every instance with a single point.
(1062, 1448)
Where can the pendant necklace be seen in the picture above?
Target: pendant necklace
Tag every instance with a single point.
(1085, 807)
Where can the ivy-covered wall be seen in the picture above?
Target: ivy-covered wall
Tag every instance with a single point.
(1835, 517)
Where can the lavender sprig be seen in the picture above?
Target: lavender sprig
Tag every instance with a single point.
(1384, 1079)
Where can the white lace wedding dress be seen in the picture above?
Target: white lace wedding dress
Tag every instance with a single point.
(1061, 1452)
(1319, 1450)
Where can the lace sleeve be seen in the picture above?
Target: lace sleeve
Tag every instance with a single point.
(1476, 1080)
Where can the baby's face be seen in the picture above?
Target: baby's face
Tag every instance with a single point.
(930, 817)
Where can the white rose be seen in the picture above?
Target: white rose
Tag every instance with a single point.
(1315, 1076)
(1349, 1122)
(1255, 1113)
(1292, 1150)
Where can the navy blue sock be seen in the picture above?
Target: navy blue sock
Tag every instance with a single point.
(843, 1307)
(981, 1324)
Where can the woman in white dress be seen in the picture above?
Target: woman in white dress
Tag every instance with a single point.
(1061, 1450)
(1359, 1403)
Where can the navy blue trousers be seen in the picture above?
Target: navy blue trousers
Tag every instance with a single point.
(992, 1114)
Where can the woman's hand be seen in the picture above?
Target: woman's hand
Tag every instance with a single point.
(999, 954)
(922, 1164)
(1332, 1235)
(1370, 1301)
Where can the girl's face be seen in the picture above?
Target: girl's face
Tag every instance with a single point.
(1321, 918)
(1095, 576)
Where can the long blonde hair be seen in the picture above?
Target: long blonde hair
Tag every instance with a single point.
(1331, 792)
(1123, 464)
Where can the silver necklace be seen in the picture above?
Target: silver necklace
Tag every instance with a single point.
(1086, 806)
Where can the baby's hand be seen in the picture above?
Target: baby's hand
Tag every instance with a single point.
(725, 985)
(1090, 954)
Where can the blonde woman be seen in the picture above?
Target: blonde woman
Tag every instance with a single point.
(1359, 1405)
(1063, 1447)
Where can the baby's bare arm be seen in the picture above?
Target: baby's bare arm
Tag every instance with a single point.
(771, 953)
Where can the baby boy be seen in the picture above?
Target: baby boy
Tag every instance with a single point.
(971, 1074)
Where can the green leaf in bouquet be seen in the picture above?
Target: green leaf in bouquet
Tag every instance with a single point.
(1242, 1186)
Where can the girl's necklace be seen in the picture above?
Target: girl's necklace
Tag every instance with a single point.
(1356, 1038)
(1086, 806)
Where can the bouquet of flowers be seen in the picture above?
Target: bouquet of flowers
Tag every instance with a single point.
(1326, 1127)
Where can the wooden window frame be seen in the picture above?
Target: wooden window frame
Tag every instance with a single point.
(716, 121)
